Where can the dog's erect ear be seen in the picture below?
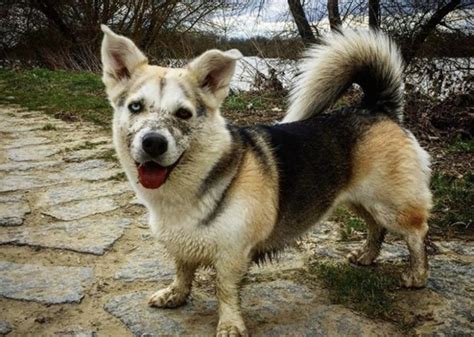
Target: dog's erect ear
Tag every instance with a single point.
(120, 57)
(214, 70)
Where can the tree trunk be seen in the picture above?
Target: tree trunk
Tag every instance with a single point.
(374, 14)
(47, 8)
(334, 16)
(419, 37)
(304, 29)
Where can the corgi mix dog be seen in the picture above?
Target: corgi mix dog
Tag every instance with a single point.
(223, 196)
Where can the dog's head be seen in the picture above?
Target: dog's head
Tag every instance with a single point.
(160, 111)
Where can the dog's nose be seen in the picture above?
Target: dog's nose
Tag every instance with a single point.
(154, 144)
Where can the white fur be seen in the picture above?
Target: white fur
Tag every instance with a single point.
(328, 68)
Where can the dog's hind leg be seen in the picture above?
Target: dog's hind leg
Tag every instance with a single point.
(177, 292)
(417, 274)
(375, 235)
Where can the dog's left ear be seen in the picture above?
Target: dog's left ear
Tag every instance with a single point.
(214, 70)
(120, 57)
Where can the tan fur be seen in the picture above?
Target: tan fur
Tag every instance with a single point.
(226, 222)
(261, 189)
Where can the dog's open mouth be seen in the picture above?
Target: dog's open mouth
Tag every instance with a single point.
(152, 175)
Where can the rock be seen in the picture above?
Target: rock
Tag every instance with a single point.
(278, 308)
(459, 247)
(93, 236)
(43, 284)
(452, 314)
(330, 320)
(63, 194)
(5, 327)
(75, 333)
(147, 264)
(28, 165)
(16, 182)
(81, 209)
(92, 170)
(30, 153)
(13, 210)
(27, 141)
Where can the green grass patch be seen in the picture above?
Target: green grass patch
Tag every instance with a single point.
(454, 200)
(461, 146)
(253, 100)
(351, 224)
(79, 93)
(359, 288)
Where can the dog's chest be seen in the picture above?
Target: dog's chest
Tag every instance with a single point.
(189, 244)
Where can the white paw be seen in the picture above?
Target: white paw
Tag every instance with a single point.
(168, 298)
(231, 329)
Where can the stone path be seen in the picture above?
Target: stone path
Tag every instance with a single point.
(77, 259)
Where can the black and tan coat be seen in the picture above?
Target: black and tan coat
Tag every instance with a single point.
(222, 195)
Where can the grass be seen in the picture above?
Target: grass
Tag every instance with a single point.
(454, 200)
(361, 289)
(461, 146)
(242, 101)
(351, 224)
(79, 93)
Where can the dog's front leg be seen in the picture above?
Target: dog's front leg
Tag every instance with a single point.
(229, 276)
(177, 292)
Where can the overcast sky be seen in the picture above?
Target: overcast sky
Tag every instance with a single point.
(273, 17)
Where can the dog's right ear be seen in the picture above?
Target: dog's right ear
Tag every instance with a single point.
(120, 58)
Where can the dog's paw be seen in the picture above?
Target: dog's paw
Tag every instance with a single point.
(168, 298)
(414, 280)
(231, 329)
(362, 256)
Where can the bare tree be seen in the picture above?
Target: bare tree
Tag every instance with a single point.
(304, 28)
(333, 14)
(422, 33)
(374, 14)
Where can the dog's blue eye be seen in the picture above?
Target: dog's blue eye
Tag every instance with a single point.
(135, 107)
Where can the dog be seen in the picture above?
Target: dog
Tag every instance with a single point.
(223, 196)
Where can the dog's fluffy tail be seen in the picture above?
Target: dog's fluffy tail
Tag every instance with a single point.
(367, 58)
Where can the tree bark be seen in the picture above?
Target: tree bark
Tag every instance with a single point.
(374, 14)
(334, 16)
(419, 37)
(304, 29)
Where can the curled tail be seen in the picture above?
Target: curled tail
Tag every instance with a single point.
(367, 58)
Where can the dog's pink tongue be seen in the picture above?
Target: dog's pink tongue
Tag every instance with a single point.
(152, 175)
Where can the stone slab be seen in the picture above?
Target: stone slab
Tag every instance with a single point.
(33, 153)
(92, 236)
(62, 194)
(5, 327)
(27, 141)
(17, 182)
(148, 265)
(13, 209)
(75, 333)
(31, 282)
(28, 165)
(81, 209)
(278, 308)
(92, 170)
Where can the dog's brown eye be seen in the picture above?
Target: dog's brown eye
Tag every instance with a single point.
(135, 107)
(183, 113)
